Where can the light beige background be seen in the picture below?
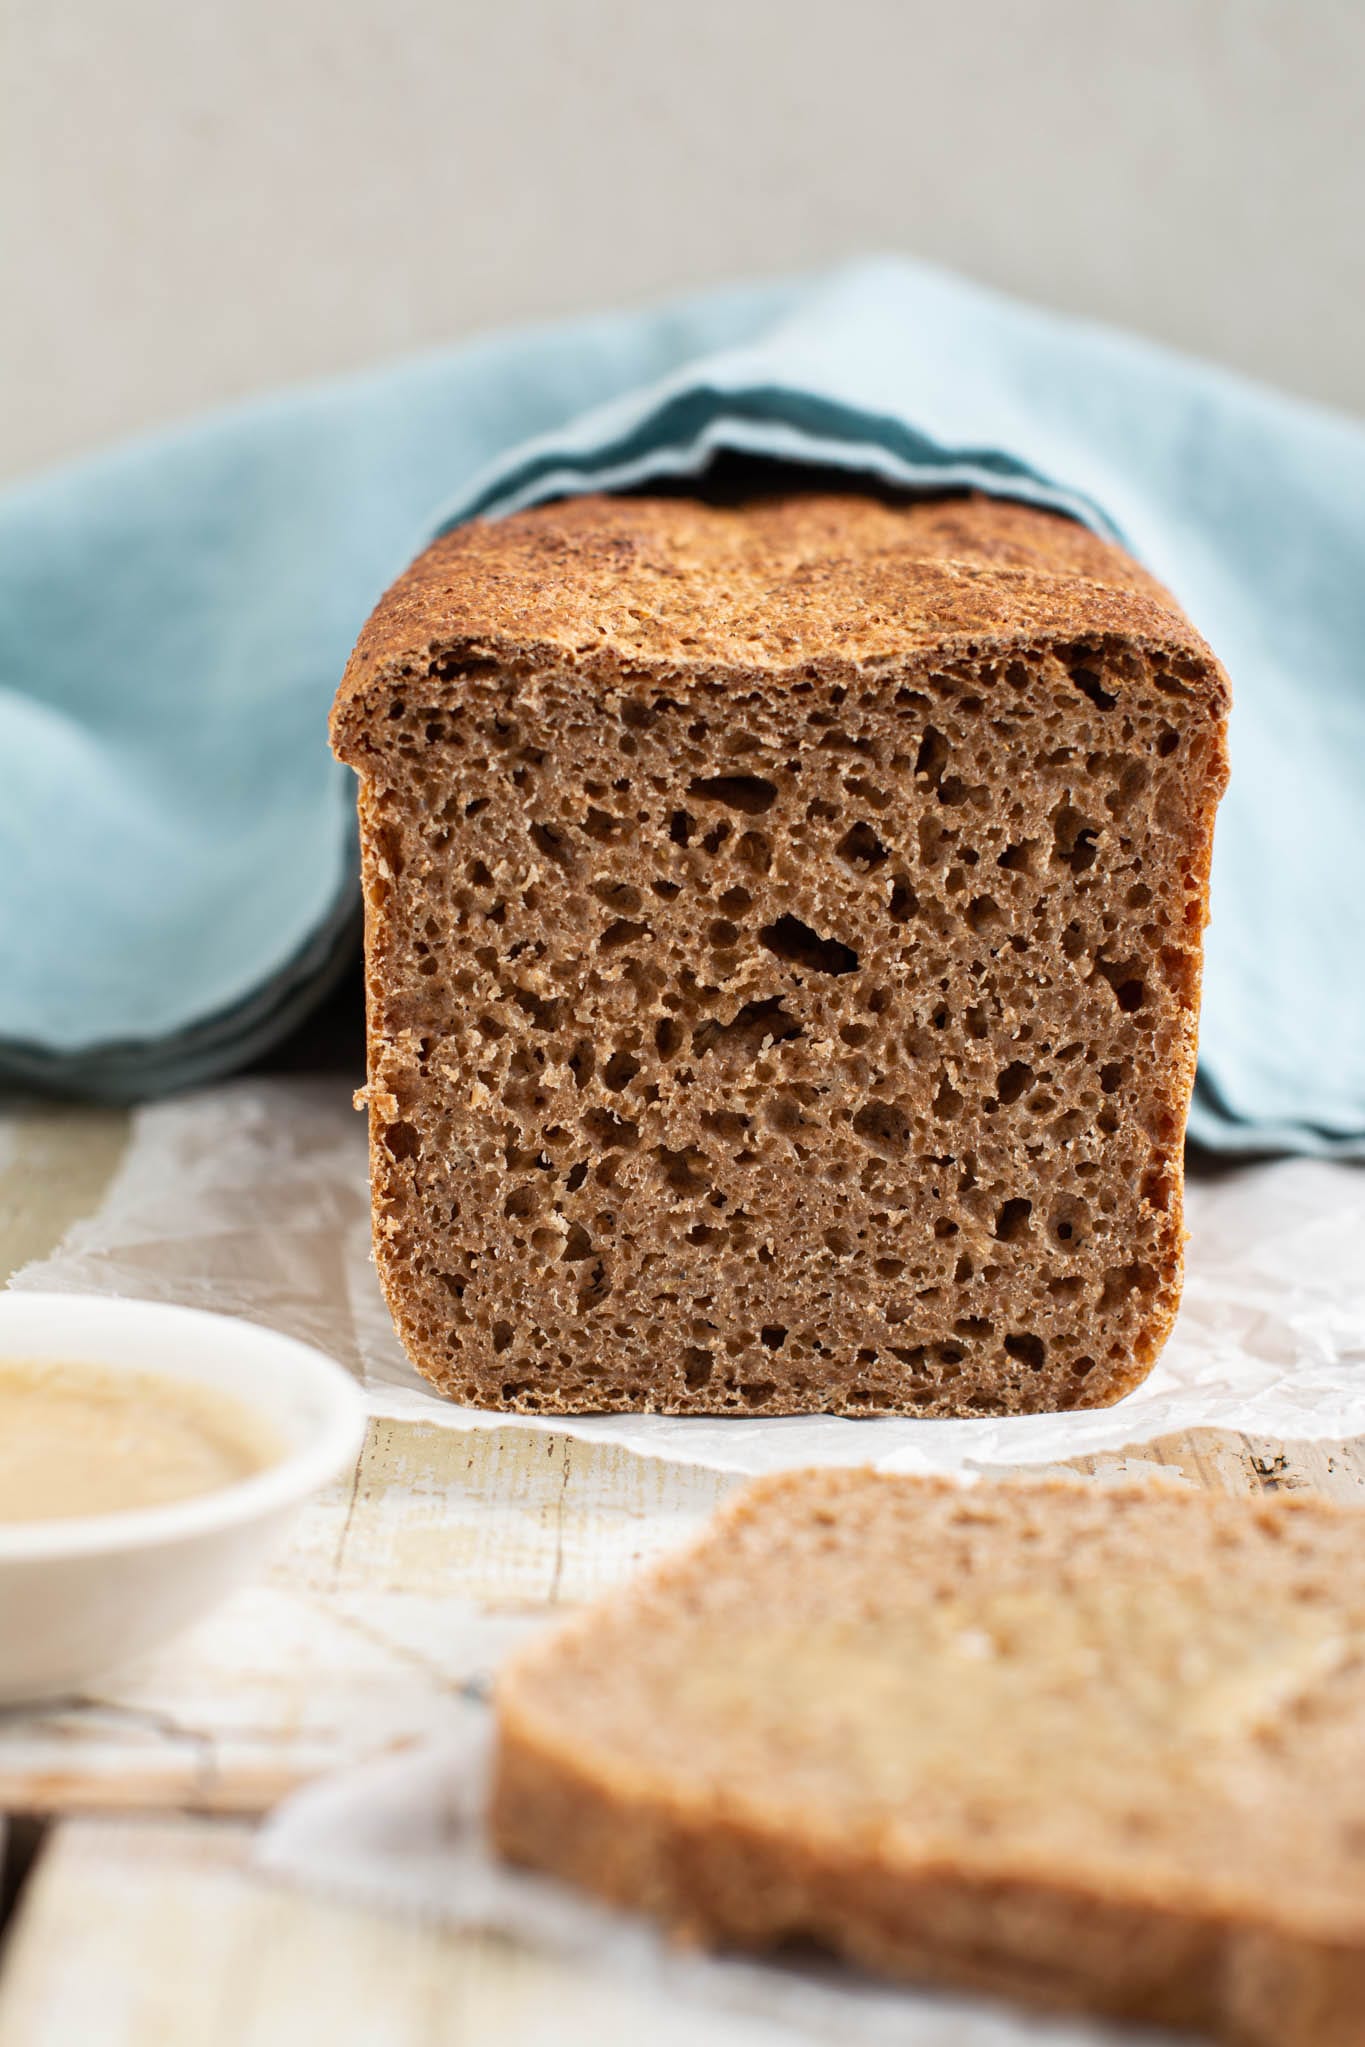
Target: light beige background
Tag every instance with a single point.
(206, 197)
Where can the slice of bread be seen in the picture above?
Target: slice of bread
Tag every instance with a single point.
(1090, 1748)
(784, 936)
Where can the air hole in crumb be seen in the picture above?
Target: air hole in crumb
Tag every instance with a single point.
(621, 932)
(789, 939)
(947, 1102)
(544, 1012)
(401, 1141)
(773, 1335)
(754, 852)
(582, 1061)
(619, 896)
(983, 913)
(1129, 991)
(782, 1114)
(602, 826)
(1013, 1220)
(752, 1027)
(683, 1171)
(502, 1336)
(932, 757)
(667, 1036)
(390, 849)
(730, 1124)
(553, 844)
(681, 827)
(697, 1368)
(752, 794)
(1122, 1280)
(1089, 685)
(1012, 1080)
(577, 1245)
(611, 1131)
(1074, 838)
(576, 1176)
(1030, 1351)
(861, 847)
(884, 1126)
(1069, 1220)
(619, 1071)
(904, 903)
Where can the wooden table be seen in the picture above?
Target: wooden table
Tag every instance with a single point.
(134, 1917)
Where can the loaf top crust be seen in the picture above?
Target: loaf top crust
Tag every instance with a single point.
(805, 583)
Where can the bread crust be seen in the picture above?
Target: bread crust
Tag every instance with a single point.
(830, 583)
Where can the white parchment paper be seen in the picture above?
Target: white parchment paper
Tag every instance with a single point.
(251, 1198)
(406, 1835)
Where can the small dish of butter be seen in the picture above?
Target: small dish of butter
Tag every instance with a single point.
(150, 1458)
(81, 1439)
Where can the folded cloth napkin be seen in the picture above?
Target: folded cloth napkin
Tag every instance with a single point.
(177, 843)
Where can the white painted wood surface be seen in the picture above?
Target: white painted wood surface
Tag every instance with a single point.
(155, 1934)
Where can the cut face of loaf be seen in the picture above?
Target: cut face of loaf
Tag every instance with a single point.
(1083, 1746)
(783, 936)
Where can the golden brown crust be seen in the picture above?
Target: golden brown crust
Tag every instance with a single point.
(774, 588)
(1213, 1885)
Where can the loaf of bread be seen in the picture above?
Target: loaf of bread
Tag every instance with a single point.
(784, 931)
(1090, 1748)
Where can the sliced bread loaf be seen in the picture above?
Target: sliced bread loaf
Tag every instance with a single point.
(1088, 1748)
(784, 938)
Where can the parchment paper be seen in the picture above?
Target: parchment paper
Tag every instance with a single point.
(251, 1198)
(406, 1835)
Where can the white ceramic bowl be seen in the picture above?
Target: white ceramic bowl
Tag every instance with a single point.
(80, 1596)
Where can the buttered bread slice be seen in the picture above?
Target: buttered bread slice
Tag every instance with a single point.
(1091, 1748)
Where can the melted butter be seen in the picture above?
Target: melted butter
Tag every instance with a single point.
(986, 1685)
(78, 1439)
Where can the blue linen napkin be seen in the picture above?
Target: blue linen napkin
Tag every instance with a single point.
(177, 844)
